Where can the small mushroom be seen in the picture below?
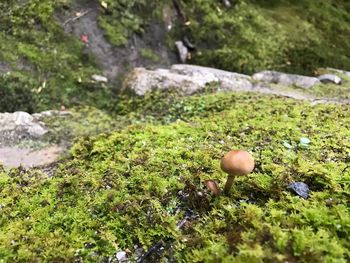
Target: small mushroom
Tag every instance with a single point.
(212, 186)
(236, 163)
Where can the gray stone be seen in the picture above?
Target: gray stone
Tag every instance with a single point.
(347, 73)
(182, 50)
(185, 79)
(227, 3)
(141, 81)
(121, 256)
(50, 113)
(286, 79)
(99, 78)
(19, 125)
(330, 78)
(228, 81)
(300, 189)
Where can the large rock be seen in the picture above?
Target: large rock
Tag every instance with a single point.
(19, 125)
(346, 73)
(228, 81)
(185, 79)
(286, 79)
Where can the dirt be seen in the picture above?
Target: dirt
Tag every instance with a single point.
(14, 157)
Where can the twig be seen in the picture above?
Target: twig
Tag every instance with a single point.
(346, 168)
(72, 19)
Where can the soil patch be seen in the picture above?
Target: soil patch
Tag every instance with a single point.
(12, 157)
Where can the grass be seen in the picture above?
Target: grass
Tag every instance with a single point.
(129, 189)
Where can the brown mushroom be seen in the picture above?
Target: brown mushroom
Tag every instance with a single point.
(212, 186)
(236, 163)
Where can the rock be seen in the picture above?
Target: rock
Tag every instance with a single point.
(227, 3)
(347, 73)
(19, 125)
(51, 113)
(99, 78)
(286, 79)
(185, 79)
(141, 81)
(121, 256)
(228, 81)
(330, 78)
(300, 189)
(182, 50)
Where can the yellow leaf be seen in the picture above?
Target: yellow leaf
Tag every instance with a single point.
(104, 4)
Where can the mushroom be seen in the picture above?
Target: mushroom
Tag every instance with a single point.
(236, 163)
(212, 186)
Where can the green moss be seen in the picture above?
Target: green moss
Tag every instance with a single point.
(123, 18)
(294, 36)
(149, 54)
(36, 47)
(133, 186)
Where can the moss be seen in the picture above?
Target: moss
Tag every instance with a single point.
(294, 36)
(123, 18)
(53, 62)
(149, 54)
(132, 187)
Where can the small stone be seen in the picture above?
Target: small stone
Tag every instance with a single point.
(99, 78)
(227, 3)
(121, 256)
(330, 78)
(300, 189)
(182, 50)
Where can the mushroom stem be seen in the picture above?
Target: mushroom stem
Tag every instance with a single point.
(229, 183)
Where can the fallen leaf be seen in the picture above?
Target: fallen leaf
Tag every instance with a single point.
(304, 142)
(84, 39)
(104, 4)
(287, 145)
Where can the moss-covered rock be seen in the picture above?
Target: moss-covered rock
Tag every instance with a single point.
(132, 187)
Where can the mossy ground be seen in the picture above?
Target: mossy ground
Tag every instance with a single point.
(132, 187)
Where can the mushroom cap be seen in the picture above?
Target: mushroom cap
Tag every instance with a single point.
(212, 186)
(237, 162)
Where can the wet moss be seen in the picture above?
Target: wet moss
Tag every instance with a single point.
(129, 189)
